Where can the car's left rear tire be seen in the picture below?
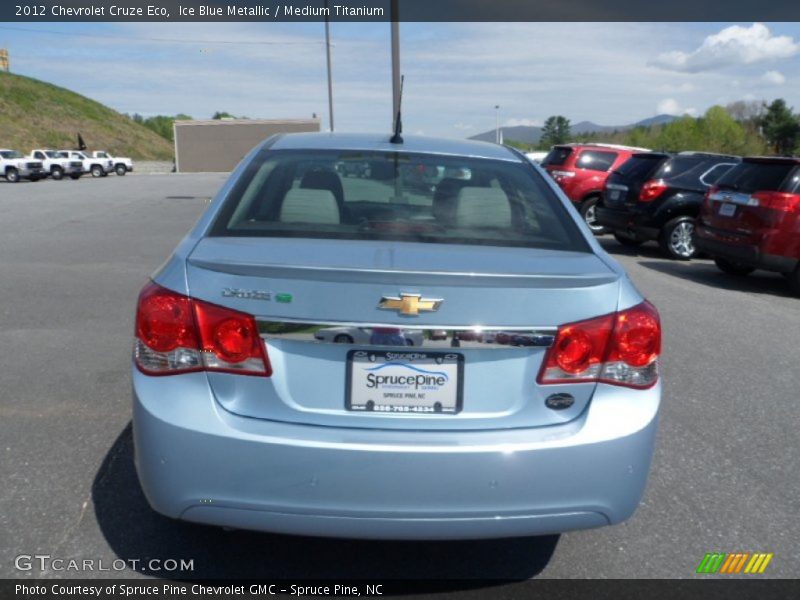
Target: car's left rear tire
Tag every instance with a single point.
(588, 212)
(677, 239)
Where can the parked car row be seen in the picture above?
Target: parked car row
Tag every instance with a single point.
(743, 212)
(57, 164)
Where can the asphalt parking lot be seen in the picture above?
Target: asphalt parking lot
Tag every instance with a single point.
(74, 255)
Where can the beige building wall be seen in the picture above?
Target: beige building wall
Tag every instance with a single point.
(219, 145)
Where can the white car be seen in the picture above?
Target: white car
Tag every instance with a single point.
(122, 165)
(98, 167)
(15, 166)
(57, 164)
(366, 335)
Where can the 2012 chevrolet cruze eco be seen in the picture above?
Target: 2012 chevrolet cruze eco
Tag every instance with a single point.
(246, 417)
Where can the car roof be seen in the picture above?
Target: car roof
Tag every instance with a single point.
(773, 159)
(654, 154)
(380, 143)
(601, 146)
(703, 155)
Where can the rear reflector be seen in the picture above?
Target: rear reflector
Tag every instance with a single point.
(621, 349)
(652, 189)
(177, 334)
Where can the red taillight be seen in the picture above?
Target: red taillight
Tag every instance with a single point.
(561, 176)
(779, 201)
(708, 202)
(652, 189)
(164, 320)
(177, 334)
(621, 349)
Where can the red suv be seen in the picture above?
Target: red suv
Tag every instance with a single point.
(751, 219)
(581, 171)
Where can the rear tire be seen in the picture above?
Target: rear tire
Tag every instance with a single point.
(121, 170)
(97, 171)
(33, 178)
(12, 175)
(342, 339)
(587, 211)
(733, 268)
(57, 173)
(677, 239)
(626, 241)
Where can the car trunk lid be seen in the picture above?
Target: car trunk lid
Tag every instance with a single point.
(299, 289)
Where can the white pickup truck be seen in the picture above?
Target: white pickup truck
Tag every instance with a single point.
(15, 166)
(98, 167)
(57, 164)
(121, 165)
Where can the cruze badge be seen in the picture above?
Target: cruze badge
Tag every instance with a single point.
(246, 294)
(410, 304)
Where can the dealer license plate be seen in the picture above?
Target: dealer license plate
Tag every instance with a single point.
(404, 382)
(727, 210)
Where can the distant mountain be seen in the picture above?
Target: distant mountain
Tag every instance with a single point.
(532, 135)
(657, 120)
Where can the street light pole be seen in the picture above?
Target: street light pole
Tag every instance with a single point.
(497, 123)
(330, 72)
(395, 11)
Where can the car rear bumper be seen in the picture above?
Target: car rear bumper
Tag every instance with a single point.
(198, 462)
(742, 251)
(625, 222)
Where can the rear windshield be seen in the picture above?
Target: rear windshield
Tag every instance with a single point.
(397, 196)
(697, 171)
(760, 176)
(640, 168)
(557, 156)
(596, 161)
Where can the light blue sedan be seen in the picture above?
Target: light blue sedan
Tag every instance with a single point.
(246, 416)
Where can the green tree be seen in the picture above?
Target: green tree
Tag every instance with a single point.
(556, 130)
(219, 115)
(162, 124)
(780, 126)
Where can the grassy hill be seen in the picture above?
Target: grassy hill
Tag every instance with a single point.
(34, 114)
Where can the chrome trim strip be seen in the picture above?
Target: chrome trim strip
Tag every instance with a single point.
(733, 197)
(410, 335)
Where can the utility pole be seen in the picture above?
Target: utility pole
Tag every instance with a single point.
(330, 72)
(395, 11)
(497, 123)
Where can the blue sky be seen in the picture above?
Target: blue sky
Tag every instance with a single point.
(610, 73)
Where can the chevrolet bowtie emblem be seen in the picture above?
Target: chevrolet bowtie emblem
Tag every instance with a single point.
(409, 304)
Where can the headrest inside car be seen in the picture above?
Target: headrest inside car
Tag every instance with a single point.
(310, 206)
(483, 207)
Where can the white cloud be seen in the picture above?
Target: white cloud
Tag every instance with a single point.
(669, 88)
(735, 45)
(522, 123)
(670, 106)
(773, 78)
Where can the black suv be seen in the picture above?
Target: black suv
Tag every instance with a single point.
(657, 196)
